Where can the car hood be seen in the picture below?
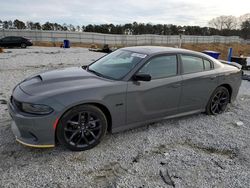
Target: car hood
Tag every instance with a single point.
(61, 81)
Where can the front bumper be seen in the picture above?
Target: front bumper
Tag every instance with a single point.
(31, 142)
(33, 130)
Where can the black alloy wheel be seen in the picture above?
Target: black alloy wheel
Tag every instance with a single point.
(82, 128)
(218, 101)
(23, 45)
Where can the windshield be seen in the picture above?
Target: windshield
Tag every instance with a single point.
(116, 65)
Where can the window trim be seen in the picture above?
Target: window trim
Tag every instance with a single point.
(194, 55)
(160, 55)
(6, 39)
(211, 65)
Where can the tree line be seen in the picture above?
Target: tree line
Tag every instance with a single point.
(222, 25)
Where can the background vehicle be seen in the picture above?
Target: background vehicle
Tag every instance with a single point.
(13, 41)
(127, 88)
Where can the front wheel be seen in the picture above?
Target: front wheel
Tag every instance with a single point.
(82, 128)
(218, 101)
(23, 45)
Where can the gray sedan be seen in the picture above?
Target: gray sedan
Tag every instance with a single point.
(122, 90)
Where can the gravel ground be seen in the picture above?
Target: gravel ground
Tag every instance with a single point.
(193, 151)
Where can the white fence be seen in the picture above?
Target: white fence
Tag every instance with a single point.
(123, 40)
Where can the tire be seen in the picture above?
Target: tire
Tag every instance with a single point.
(218, 101)
(82, 128)
(23, 45)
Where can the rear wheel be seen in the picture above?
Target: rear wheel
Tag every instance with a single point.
(82, 128)
(23, 45)
(218, 101)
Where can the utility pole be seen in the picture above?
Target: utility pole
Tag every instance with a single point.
(181, 31)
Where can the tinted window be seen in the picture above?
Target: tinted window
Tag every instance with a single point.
(207, 65)
(160, 67)
(16, 38)
(191, 64)
(6, 39)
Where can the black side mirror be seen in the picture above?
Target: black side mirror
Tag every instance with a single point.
(142, 77)
(85, 67)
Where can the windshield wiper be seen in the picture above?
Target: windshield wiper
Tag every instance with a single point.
(96, 73)
(99, 74)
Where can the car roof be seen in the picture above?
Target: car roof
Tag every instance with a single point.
(13, 36)
(149, 50)
(154, 50)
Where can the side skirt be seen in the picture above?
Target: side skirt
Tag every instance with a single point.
(139, 124)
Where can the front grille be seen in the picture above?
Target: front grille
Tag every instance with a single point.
(16, 103)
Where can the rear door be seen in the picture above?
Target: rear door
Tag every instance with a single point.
(199, 81)
(156, 98)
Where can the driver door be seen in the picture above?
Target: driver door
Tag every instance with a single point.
(148, 100)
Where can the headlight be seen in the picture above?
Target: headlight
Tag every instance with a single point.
(36, 108)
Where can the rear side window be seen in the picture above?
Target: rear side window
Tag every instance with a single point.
(6, 39)
(207, 65)
(161, 67)
(191, 64)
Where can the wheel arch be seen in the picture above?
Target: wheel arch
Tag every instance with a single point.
(106, 112)
(224, 85)
(229, 88)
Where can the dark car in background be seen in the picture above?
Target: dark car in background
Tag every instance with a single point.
(12, 41)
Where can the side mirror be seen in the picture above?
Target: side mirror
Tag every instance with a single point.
(84, 67)
(142, 77)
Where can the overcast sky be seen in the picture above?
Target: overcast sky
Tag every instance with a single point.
(83, 12)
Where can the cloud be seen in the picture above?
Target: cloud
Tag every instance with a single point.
(78, 12)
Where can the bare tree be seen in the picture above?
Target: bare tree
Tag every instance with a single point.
(242, 19)
(230, 22)
(217, 22)
(223, 22)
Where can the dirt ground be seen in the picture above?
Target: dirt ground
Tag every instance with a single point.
(193, 151)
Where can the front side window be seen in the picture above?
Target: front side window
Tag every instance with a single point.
(191, 64)
(16, 39)
(117, 64)
(161, 67)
